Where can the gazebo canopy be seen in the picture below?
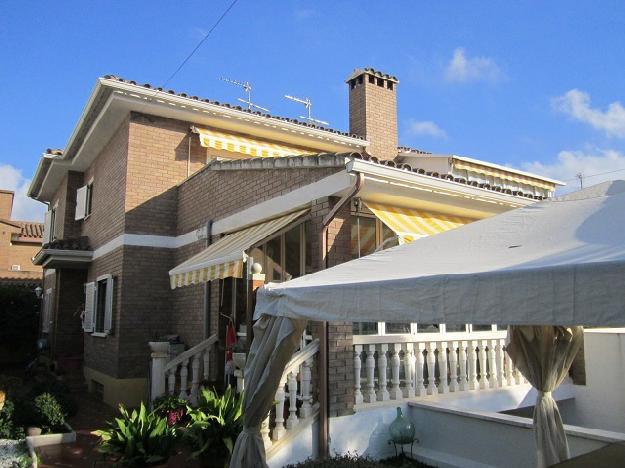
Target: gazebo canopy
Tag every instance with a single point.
(557, 262)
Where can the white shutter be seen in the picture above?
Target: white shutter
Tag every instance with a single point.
(108, 307)
(46, 227)
(87, 320)
(81, 202)
(47, 311)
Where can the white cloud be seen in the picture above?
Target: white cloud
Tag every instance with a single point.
(595, 166)
(24, 208)
(576, 104)
(425, 128)
(465, 69)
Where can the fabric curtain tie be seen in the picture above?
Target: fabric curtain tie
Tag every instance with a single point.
(542, 394)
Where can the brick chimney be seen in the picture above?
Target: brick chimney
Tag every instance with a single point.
(6, 204)
(373, 110)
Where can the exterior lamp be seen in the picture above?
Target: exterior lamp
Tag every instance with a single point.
(38, 291)
(402, 432)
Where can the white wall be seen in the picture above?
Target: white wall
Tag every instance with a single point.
(297, 448)
(450, 437)
(601, 402)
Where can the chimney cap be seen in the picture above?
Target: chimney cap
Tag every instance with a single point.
(371, 71)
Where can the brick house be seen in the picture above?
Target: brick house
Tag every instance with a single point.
(161, 202)
(19, 242)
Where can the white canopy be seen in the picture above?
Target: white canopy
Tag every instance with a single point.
(560, 261)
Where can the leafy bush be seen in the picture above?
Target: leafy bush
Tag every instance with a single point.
(354, 461)
(8, 428)
(50, 384)
(48, 414)
(137, 439)
(215, 425)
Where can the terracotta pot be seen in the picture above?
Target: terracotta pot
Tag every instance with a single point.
(33, 431)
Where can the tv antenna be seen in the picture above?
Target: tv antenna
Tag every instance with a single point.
(247, 87)
(308, 105)
(580, 176)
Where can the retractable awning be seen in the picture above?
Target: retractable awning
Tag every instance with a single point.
(410, 224)
(225, 257)
(242, 145)
(490, 171)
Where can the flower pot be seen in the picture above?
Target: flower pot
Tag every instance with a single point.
(33, 431)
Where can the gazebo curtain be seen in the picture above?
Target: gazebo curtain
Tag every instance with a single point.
(544, 354)
(275, 340)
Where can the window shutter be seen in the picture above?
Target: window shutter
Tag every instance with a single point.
(81, 202)
(108, 307)
(87, 320)
(47, 311)
(46, 227)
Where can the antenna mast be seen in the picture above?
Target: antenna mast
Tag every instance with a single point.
(247, 88)
(308, 106)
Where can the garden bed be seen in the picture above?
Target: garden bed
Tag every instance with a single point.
(13, 453)
(353, 461)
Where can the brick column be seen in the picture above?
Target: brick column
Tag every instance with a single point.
(340, 342)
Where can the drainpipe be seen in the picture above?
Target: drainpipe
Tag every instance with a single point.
(324, 407)
(207, 285)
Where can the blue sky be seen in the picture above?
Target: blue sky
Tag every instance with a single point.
(535, 85)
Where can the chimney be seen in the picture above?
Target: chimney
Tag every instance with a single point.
(6, 204)
(373, 110)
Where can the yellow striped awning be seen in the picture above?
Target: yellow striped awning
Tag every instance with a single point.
(242, 145)
(490, 171)
(225, 257)
(410, 224)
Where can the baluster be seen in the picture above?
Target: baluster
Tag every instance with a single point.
(279, 430)
(420, 390)
(205, 369)
(431, 362)
(396, 393)
(184, 373)
(383, 394)
(264, 432)
(508, 369)
(453, 367)
(481, 345)
(492, 368)
(292, 420)
(370, 363)
(195, 378)
(499, 356)
(471, 350)
(462, 363)
(443, 386)
(409, 368)
(305, 410)
(171, 380)
(357, 365)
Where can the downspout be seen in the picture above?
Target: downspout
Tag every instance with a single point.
(207, 285)
(324, 407)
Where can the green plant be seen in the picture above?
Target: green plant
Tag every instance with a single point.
(215, 425)
(173, 408)
(47, 413)
(8, 428)
(138, 438)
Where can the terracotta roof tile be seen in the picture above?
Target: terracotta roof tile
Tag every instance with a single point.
(34, 230)
(229, 106)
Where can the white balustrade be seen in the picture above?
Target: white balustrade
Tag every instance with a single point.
(172, 377)
(450, 364)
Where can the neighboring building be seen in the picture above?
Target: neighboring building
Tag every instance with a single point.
(19, 242)
(159, 198)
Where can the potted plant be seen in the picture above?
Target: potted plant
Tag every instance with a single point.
(140, 438)
(214, 426)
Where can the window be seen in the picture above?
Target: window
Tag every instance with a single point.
(16, 267)
(88, 204)
(285, 256)
(48, 225)
(98, 314)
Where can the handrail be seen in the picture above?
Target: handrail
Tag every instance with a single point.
(189, 353)
(301, 356)
(429, 337)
